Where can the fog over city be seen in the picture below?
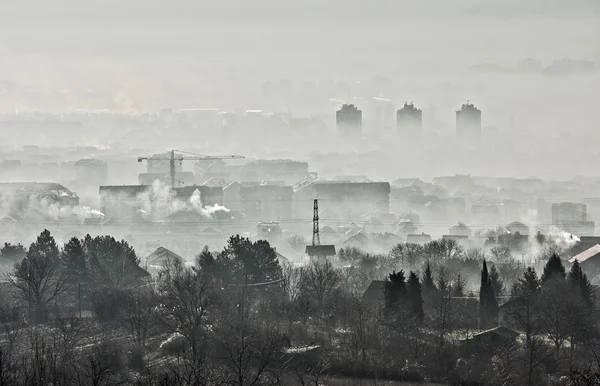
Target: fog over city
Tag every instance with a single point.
(392, 191)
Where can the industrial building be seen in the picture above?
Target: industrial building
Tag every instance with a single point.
(409, 120)
(349, 120)
(468, 123)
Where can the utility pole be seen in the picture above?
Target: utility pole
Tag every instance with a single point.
(316, 239)
(79, 296)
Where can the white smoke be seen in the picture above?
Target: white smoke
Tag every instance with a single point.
(563, 240)
(36, 208)
(159, 201)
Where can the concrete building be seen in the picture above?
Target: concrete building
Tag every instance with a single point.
(349, 120)
(572, 217)
(267, 202)
(91, 171)
(270, 231)
(568, 212)
(343, 199)
(19, 194)
(288, 171)
(409, 120)
(468, 123)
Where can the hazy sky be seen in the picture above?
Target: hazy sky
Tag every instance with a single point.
(219, 52)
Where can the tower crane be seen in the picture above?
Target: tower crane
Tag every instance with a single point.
(179, 157)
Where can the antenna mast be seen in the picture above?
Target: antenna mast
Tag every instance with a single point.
(316, 239)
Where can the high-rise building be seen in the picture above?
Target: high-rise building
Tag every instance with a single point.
(409, 120)
(349, 120)
(468, 123)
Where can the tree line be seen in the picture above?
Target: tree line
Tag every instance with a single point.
(87, 313)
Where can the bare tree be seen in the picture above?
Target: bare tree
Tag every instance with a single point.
(97, 366)
(407, 253)
(247, 347)
(477, 254)
(136, 314)
(318, 282)
(441, 307)
(186, 296)
(554, 312)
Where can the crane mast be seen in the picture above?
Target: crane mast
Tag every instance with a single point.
(171, 158)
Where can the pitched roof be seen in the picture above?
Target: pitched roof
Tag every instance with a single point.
(587, 254)
(160, 255)
(375, 291)
(320, 250)
(502, 331)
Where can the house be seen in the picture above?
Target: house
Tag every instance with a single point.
(359, 240)
(506, 312)
(405, 228)
(375, 293)
(320, 251)
(421, 239)
(160, 257)
(461, 240)
(460, 230)
(518, 227)
(589, 259)
(490, 339)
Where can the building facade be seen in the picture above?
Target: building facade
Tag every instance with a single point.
(468, 123)
(409, 120)
(349, 120)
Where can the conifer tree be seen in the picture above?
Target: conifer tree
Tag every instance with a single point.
(553, 270)
(415, 296)
(496, 281)
(581, 285)
(428, 282)
(488, 307)
(395, 290)
(73, 259)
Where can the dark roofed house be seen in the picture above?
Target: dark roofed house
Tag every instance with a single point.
(460, 230)
(421, 239)
(462, 241)
(491, 339)
(375, 293)
(589, 260)
(320, 251)
(359, 240)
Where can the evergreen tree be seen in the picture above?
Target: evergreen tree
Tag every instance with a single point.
(415, 296)
(528, 285)
(581, 285)
(206, 262)
(488, 307)
(243, 260)
(39, 277)
(553, 270)
(496, 281)
(428, 282)
(110, 261)
(73, 259)
(395, 290)
(12, 254)
(458, 287)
